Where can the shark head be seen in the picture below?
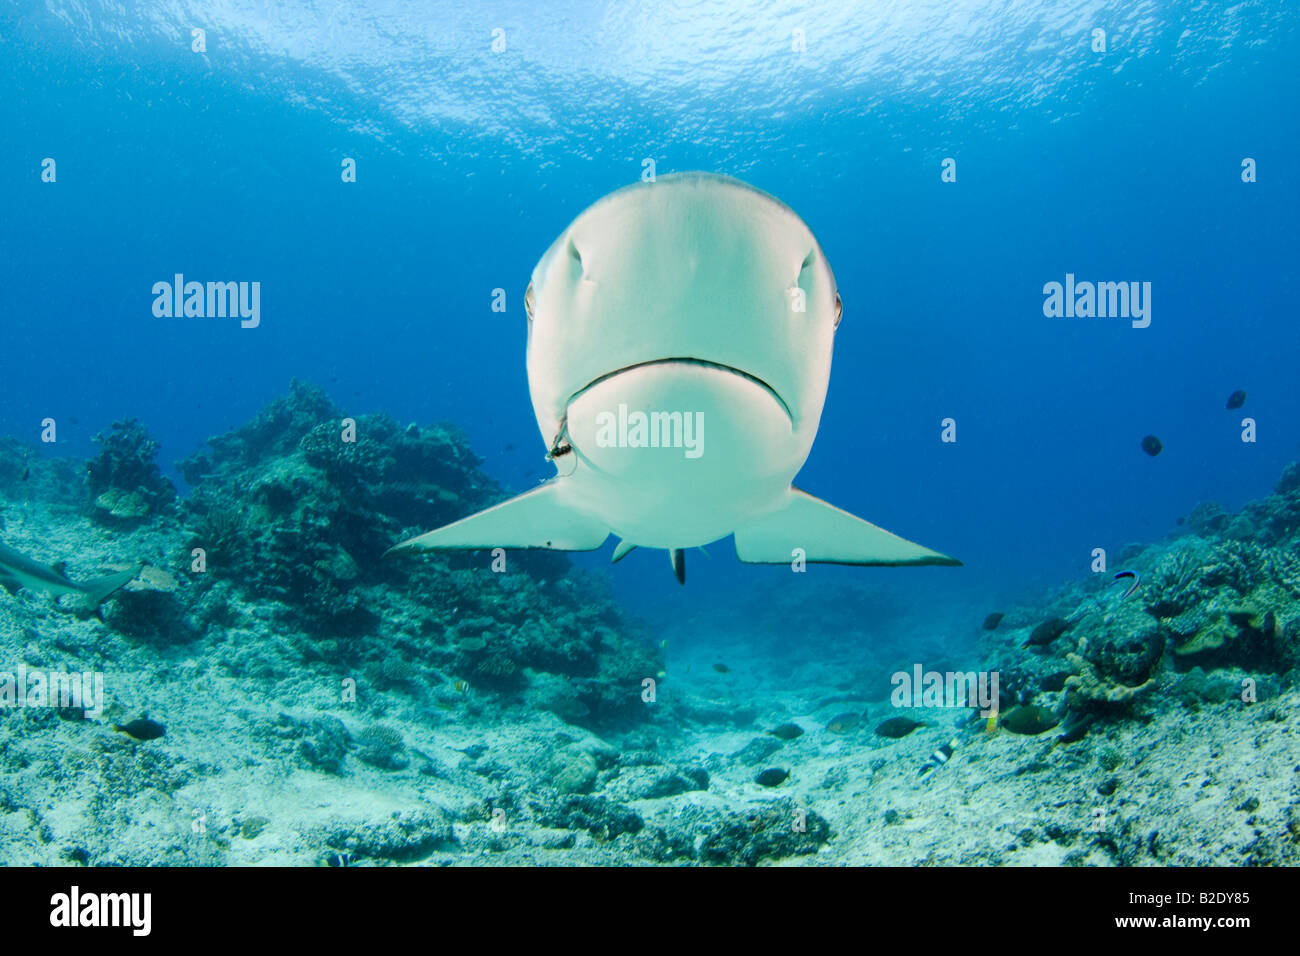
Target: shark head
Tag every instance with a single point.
(693, 271)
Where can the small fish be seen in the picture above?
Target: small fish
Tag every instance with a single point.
(1074, 730)
(938, 758)
(1236, 399)
(1103, 606)
(1137, 579)
(844, 723)
(722, 668)
(27, 472)
(1029, 720)
(1269, 627)
(772, 777)
(787, 731)
(1152, 446)
(1046, 632)
(897, 727)
(460, 686)
(993, 620)
(663, 645)
(473, 751)
(142, 728)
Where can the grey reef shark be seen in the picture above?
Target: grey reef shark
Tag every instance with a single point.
(17, 570)
(679, 351)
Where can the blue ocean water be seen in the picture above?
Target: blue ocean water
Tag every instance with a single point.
(1122, 165)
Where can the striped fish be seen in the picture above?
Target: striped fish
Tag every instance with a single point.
(938, 758)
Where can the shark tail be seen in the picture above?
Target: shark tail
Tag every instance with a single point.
(96, 592)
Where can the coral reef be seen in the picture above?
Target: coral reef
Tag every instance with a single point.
(1223, 595)
(382, 746)
(123, 482)
(603, 818)
(324, 744)
(15, 461)
(777, 830)
(300, 507)
(405, 836)
(325, 706)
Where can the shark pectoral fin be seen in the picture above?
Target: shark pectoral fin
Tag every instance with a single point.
(623, 549)
(96, 592)
(535, 519)
(825, 533)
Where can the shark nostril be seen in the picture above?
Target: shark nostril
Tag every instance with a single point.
(577, 268)
(804, 281)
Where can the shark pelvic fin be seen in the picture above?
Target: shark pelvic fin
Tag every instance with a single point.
(624, 548)
(535, 519)
(678, 557)
(825, 533)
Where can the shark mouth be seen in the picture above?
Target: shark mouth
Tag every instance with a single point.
(688, 361)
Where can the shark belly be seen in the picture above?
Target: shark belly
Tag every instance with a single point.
(678, 453)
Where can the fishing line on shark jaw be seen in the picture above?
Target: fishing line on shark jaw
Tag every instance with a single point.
(1097, 601)
(561, 446)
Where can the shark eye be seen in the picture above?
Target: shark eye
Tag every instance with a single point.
(839, 309)
(528, 302)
